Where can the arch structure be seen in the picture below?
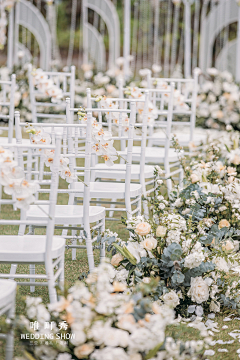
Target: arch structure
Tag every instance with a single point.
(27, 15)
(93, 44)
(227, 58)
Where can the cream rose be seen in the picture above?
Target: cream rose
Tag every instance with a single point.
(228, 246)
(171, 299)
(83, 351)
(116, 259)
(194, 178)
(231, 171)
(149, 243)
(236, 160)
(223, 223)
(143, 229)
(161, 231)
(199, 290)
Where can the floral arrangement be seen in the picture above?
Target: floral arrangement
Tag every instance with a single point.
(46, 86)
(12, 178)
(218, 101)
(100, 320)
(191, 243)
(102, 143)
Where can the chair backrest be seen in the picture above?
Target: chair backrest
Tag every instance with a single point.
(7, 91)
(99, 147)
(64, 84)
(140, 127)
(75, 156)
(185, 98)
(28, 156)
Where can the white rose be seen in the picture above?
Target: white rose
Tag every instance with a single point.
(109, 353)
(214, 306)
(221, 264)
(199, 290)
(236, 245)
(149, 243)
(161, 231)
(171, 299)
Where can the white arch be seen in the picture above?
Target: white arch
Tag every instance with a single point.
(209, 32)
(97, 49)
(106, 10)
(229, 52)
(30, 17)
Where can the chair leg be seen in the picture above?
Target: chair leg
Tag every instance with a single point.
(32, 272)
(145, 204)
(74, 242)
(51, 283)
(61, 277)
(10, 335)
(13, 269)
(139, 206)
(71, 201)
(112, 206)
(102, 246)
(31, 266)
(89, 248)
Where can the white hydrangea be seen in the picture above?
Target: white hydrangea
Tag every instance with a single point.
(173, 237)
(196, 257)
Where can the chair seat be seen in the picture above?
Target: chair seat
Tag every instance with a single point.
(4, 141)
(7, 291)
(154, 155)
(66, 214)
(107, 190)
(28, 248)
(117, 171)
(183, 138)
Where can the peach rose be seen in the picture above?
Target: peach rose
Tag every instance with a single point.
(116, 259)
(149, 243)
(194, 178)
(230, 179)
(81, 352)
(161, 231)
(223, 223)
(143, 229)
(228, 246)
(117, 286)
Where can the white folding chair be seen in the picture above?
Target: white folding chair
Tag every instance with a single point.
(7, 91)
(36, 249)
(141, 173)
(72, 216)
(184, 110)
(7, 307)
(65, 81)
(102, 192)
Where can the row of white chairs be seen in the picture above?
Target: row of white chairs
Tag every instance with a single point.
(120, 185)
